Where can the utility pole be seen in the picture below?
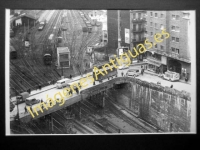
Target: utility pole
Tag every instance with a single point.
(119, 29)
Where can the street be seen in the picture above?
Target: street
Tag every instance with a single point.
(154, 79)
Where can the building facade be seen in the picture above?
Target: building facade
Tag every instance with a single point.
(118, 28)
(137, 30)
(173, 53)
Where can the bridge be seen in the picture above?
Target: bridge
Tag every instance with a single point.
(150, 102)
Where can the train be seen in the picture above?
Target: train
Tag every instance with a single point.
(42, 25)
(109, 74)
(13, 53)
(48, 50)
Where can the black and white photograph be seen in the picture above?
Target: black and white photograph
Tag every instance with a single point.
(100, 72)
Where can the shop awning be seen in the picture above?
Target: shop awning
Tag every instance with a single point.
(154, 63)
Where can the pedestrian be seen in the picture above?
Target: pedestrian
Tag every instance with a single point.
(122, 74)
(79, 84)
(25, 109)
(70, 76)
(77, 91)
(171, 86)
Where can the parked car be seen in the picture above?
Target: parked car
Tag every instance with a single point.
(31, 101)
(133, 72)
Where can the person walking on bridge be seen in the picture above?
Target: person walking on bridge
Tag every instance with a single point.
(25, 109)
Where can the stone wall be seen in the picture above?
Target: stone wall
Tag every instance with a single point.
(163, 107)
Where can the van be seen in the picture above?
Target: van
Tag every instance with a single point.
(133, 72)
(171, 76)
(62, 83)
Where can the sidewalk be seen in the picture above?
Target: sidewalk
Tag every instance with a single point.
(135, 63)
(155, 74)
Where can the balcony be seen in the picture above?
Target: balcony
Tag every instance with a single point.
(137, 20)
(139, 30)
(140, 40)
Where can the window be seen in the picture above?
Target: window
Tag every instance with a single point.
(177, 51)
(177, 28)
(161, 26)
(139, 15)
(155, 25)
(139, 27)
(134, 27)
(151, 14)
(173, 17)
(177, 39)
(151, 23)
(173, 39)
(161, 47)
(177, 17)
(156, 15)
(156, 46)
(151, 33)
(186, 15)
(161, 15)
(134, 16)
(173, 49)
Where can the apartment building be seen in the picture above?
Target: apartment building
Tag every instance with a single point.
(137, 28)
(173, 53)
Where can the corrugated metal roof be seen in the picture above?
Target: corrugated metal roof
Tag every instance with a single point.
(62, 49)
(22, 15)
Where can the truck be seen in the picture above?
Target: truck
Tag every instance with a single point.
(20, 98)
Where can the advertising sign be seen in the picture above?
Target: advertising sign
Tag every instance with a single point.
(127, 39)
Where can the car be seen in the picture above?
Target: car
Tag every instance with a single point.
(124, 66)
(32, 101)
(133, 72)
